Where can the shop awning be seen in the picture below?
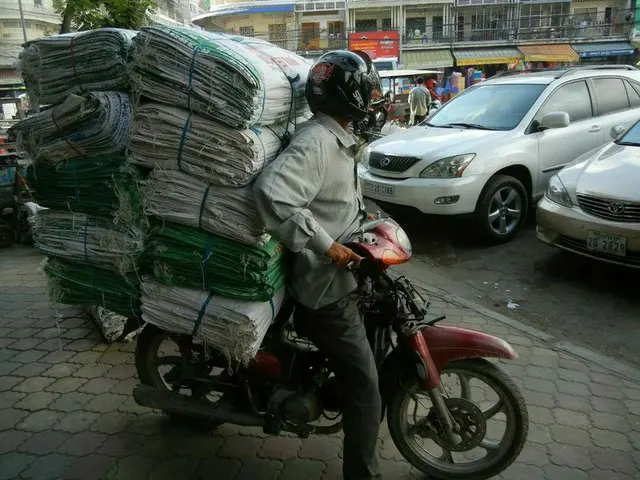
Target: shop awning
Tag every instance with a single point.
(559, 52)
(427, 58)
(591, 50)
(486, 56)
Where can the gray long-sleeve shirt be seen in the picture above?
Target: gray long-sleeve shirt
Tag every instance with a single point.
(308, 198)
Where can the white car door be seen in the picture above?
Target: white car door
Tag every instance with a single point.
(557, 147)
(615, 99)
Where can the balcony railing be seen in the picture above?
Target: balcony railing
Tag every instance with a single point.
(554, 28)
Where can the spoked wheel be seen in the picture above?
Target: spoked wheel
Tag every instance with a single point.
(175, 363)
(491, 417)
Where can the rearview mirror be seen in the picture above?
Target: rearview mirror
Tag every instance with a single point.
(617, 131)
(554, 120)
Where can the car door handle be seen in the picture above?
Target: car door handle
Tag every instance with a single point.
(594, 129)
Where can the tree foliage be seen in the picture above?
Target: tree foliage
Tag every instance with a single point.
(89, 14)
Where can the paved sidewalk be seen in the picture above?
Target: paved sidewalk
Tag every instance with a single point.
(66, 410)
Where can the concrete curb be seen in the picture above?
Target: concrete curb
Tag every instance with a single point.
(607, 363)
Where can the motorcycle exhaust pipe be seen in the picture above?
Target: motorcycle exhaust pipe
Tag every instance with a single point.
(172, 402)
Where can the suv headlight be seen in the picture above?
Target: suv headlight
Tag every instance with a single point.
(449, 167)
(557, 193)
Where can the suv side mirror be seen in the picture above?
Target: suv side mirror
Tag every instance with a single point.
(617, 131)
(554, 120)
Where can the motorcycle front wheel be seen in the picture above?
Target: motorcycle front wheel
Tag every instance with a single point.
(493, 426)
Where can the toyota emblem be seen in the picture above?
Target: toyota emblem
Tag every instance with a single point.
(616, 208)
(385, 161)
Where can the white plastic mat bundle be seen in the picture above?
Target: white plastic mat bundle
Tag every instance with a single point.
(171, 138)
(54, 67)
(215, 75)
(94, 124)
(234, 327)
(87, 239)
(111, 325)
(226, 211)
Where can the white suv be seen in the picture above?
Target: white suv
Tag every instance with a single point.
(491, 150)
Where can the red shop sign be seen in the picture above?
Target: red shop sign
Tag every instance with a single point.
(376, 44)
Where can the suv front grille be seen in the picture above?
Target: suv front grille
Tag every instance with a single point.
(391, 163)
(610, 209)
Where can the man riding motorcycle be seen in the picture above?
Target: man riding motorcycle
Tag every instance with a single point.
(309, 198)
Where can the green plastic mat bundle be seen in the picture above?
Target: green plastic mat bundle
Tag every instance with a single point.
(54, 67)
(187, 257)
(88, 240)
(101, 186)
(81, 284)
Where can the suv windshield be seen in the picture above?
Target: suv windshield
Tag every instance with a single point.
(632, 137)
(488, 107)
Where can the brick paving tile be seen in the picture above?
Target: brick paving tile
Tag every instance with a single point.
(66, 410)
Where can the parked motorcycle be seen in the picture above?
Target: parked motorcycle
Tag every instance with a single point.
(428, 375)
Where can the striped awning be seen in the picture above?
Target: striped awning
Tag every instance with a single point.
(427, 58)
(557, 52)
(486, 56)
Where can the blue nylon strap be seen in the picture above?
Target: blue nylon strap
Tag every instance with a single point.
(273, 309)
(207, 252)
(258, 132)
(191, 67)
(183, 138)
(204, 201)
(201, 313)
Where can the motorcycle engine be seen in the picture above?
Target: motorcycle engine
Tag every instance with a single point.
(294, 405)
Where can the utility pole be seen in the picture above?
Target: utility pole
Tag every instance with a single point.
(24, 28)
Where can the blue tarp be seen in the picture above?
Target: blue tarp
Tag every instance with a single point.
(233, 10)
(591, 50)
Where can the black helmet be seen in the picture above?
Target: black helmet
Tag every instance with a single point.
(340, 84)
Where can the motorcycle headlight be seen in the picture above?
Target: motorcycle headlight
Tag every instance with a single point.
(557, 193)
(403, 240)
(450, 167)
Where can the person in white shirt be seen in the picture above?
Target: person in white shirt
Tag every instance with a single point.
(419, 100)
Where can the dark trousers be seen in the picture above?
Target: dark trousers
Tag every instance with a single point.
(338, 332)
(417, 119)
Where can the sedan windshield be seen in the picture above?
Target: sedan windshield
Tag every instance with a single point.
(632, 137)
(488, 107)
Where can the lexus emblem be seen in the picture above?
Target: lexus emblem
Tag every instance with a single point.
(616, 208)
(384, 162)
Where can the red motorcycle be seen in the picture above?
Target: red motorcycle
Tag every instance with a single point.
(429, 374)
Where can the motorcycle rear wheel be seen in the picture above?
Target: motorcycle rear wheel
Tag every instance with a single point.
(499, 456)
(148, 343)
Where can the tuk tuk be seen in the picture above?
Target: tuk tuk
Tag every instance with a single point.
(397, 84)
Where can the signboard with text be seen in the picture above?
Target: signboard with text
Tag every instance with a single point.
(376, 44)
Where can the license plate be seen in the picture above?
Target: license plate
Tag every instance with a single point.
(607, 243)
(376, 189)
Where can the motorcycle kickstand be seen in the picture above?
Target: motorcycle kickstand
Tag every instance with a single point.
(447, 421)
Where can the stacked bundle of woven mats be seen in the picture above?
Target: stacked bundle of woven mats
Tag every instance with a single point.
(229, 212)
(187, 257)
(81, 284)
(56, 66)
(94, 124)
(170, 138)
(234, 327)
(100, 186)
(214, 75)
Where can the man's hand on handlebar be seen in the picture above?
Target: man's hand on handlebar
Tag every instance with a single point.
(343, 256)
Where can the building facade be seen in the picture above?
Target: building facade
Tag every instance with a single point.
(441, 33)
(39, 19)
